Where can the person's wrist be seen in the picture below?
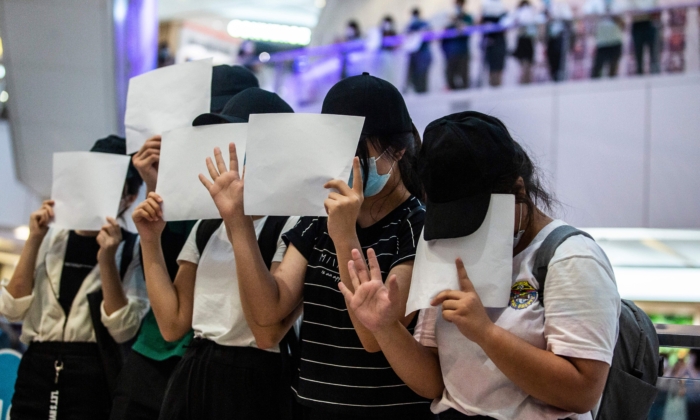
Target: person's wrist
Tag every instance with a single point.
(487, 335)
(36, 236)
(386, 330)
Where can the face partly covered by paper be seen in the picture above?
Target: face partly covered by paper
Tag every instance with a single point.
(487, 256)
(165, 99)
(87, 188)
(291, 156)
(183, 157)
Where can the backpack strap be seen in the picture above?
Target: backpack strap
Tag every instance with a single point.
(205, 229)
(546, 252)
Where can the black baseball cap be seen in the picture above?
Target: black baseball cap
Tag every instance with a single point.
(462, 157)
(375, 99)
(115, 145)
(227, 81)
(240, 107)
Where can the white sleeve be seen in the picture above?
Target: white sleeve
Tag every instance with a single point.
(124, 323)
(14, 309)
(189, 252)
(281, 246)
(582, 305)
(425, 327)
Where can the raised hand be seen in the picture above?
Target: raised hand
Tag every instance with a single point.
(148, 217)
(40, 219)
(109, 238)
(464, 308)
(227, 188)
(375, 304)
(343, 206)
(146, 162)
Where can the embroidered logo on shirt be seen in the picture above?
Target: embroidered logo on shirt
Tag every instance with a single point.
(522, 295)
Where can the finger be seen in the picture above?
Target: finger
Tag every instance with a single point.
(112, 222)
(213, 173)
(450, 304)
(155, 206)
(360, 266)
(445, 295)
(339, 185)
(374, 270)
(49, 202)
(449, 315)
(151, 160)
(155, 196)
(335, 196)
(49, 210)
(464, 283)
(347, 294)
(233, 159)
(150, 211)
(207, 184)
(140, 214)
(353, 275)
(220, 165)
(357, 184)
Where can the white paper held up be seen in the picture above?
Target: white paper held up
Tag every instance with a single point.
(87, 188)
(291, 156)
(487, 255)
(167, 98)
(183, 154)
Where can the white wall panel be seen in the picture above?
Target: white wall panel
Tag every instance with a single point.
(675, 154)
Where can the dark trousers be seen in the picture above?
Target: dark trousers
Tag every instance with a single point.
(457, 71)
(214, 382)
(644, 36)
(609, 56)
(141, 387)
(418, 66)
(81, 392)
(555, 49)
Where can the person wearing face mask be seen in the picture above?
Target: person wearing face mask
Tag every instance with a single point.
(342, 374)
(530, 360)
(232, 367)
(78, 293)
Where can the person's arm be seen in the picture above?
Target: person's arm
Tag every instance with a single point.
(146, 162)
(379, 307)
(271, 298)
(172, 302)
(572, 384)
(109, 239)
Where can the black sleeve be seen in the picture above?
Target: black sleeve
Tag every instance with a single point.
(409, 232)
(172, 240)
(304, 235)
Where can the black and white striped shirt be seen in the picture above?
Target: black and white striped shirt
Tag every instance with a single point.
(336, 373)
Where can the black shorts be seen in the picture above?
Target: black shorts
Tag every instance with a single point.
(81, 392)
(214, 382)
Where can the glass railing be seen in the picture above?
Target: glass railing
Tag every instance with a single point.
(561, 49)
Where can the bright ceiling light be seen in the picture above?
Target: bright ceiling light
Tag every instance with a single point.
(270, 32)
(4, 96)
(2, 71)
(264, 57)
(22, 233)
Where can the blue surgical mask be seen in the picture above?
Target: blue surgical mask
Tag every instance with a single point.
(375, 182)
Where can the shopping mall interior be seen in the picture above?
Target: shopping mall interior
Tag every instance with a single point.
(604, 95)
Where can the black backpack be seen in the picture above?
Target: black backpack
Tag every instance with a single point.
(112, 354)
(631, 386)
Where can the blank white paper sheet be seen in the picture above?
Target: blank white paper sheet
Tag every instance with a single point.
(487, 255)
(183, 154)
(164, 99)
(87, 188)
(291, 156)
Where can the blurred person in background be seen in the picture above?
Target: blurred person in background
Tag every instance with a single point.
(608, 39)
(526, 18)
(558, 35)
(352, 33)
(456, 49)
(420, 58)
(388, 30)
(494, 43)
(693, 373)
(385, 66)
(645, 34)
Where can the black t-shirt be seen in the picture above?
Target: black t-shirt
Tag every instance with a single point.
(80, 259)
(336, 373)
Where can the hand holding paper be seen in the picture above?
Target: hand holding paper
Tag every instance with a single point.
(463, 307)
(227, 188)
(148, 218)
(87, 188)
(487, 256)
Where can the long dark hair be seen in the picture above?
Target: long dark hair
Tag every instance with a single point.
(410, 143)
(536, 197)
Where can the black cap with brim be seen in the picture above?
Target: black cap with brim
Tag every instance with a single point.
(239, 108)
(209, 119)
(457, 218)
(228, 81)
(117, 146)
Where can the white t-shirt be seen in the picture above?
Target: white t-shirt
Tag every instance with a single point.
(580, 320)
(218, 315)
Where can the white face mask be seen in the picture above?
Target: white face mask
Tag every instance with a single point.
(519, 235)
